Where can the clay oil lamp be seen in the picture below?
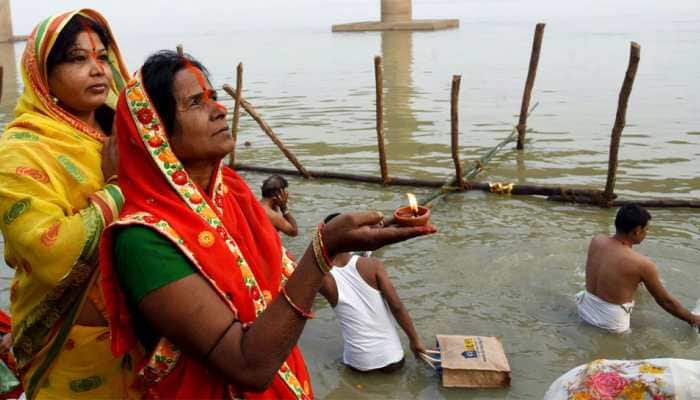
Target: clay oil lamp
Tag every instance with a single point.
(412, 214)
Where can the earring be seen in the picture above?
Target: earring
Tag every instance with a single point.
(54, 99)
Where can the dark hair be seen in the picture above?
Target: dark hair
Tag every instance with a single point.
(631, 216)
(158, 74)
(66, 39)
(272, 185)
(329, 217)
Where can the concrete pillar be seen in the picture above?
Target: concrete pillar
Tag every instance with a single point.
(397, 10)
(5, 21)
(397, 15)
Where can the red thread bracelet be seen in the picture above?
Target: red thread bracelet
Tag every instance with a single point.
(304, 314)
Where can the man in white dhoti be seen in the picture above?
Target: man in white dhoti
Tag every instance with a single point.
(614, 271)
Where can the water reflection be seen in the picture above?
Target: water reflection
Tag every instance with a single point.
(399, 119)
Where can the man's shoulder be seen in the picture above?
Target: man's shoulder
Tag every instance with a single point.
(369, 263)
(600, 239)
(643, 262)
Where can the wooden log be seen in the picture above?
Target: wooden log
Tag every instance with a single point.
(342, 176)
(553, 192)
(529, 83)
(533, 190)
(620, 119)
(649, 203)
(379, 84)
(454, 126)
(236, 113)
(659, 203)
(268, 131)
(180, 51)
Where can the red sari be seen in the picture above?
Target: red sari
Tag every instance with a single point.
(222, 230)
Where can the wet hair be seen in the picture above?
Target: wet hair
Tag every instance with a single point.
(158, 74)
(329, 217)
(66, 40)
(631, 216)
(272, 185)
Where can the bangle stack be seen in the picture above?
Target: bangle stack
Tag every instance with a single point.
(320, 253)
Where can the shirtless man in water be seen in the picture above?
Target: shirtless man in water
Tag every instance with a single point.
(274, 201)
(614, 271)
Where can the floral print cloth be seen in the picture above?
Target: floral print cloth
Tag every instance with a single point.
(653, 379)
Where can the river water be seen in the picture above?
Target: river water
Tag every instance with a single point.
(500, 266)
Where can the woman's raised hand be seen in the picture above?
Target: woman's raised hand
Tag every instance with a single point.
(362, 231)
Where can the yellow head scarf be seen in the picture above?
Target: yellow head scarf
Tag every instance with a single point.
(53, 204)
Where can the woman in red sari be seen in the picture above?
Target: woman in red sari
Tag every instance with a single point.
(193, 270)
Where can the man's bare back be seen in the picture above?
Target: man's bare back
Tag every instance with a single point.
(614, 270)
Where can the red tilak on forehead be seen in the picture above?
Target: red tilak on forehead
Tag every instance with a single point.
(93, 54)
(202, 83)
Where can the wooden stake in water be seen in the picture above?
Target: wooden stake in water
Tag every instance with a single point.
(379, 83)
(620, 120)
(529, 84)
(268, 131)
(454, 124)
(236, 113)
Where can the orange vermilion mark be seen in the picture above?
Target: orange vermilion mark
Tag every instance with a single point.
(206, 97)
(93, 54)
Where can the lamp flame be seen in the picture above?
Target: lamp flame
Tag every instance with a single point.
(412, 203)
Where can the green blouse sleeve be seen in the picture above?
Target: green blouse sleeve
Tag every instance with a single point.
(146, 261)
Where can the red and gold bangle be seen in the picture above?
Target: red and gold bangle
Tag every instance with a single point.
(317, 244)
(304, 314)
(324, 252)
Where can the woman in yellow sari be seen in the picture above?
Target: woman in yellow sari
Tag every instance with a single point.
(57, 164)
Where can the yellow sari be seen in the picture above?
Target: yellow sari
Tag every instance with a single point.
(54, 205)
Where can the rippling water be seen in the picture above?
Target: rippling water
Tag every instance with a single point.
(499, 266)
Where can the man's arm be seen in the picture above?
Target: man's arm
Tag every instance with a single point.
(396, 306)
(329, 290)
(289, 225)
(651, 280)
(283, 223)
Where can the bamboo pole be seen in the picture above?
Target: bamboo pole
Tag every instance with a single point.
(379, 84)
(266, 128)
(620, 120)
(477, 167)
(236, 113)
(180, 51)
(529, 83)
(454, 125)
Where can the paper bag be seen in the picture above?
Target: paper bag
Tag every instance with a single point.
(473, 362)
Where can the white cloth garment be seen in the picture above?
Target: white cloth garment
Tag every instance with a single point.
(598, 312)
(370, 339)
(660, 378)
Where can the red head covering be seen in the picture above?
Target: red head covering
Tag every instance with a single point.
(222, 230)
